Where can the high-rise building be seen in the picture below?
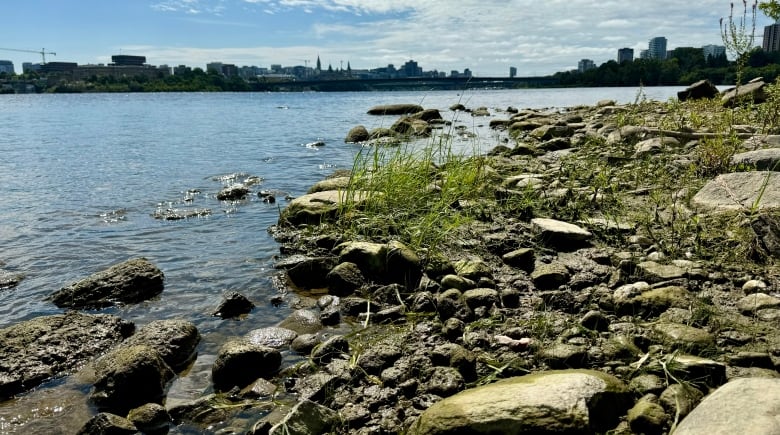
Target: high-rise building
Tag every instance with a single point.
(6, 66)
(713, 51)
(656, 48)
(512, 72)
(585, 64)
(625, 55)
(771, 37)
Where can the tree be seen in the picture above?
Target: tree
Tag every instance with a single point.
(771, 9)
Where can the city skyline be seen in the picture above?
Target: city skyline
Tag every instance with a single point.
(488, 37)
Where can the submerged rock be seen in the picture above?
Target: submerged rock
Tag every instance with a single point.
(133, 281)
(395, 109)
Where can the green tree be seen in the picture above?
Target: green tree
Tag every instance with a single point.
(771, 9)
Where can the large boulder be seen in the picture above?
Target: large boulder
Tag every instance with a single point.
(132, 281)
(357, 134)
(744, 405)
(740, 191)
(395, 109)
(703, 89)
(39, 349)
(553, 402)
(128, 377)
(767, 159)
(750, 92)
(175, 340)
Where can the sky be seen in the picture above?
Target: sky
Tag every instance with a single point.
(538, 37)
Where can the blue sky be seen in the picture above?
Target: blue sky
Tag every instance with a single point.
(488, 36)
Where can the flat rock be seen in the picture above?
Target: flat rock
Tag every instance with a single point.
(335, 183)
(559, 233)
(132, 281)
(39, 349)
(569, 401)
(175, 340)
(314, 208)
(395, 109)
(767, 159)
(684, 337)
(272, 336)
(751, 304)
(740, 191)
(744, 405)
(656, 272)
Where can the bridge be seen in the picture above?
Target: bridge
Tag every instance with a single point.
(411, 84)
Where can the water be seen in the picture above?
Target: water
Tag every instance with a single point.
(81, 176)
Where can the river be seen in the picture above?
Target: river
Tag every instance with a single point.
(81, 176)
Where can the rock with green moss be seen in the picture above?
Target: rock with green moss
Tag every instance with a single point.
(239, 362)
(641, 300)
(683, 337)
(550, 276)
(647, 417)
(570, 401)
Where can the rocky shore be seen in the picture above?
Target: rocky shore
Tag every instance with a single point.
(606, 269)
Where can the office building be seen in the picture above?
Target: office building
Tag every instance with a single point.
(585, 64)
(771, 37)
(512, 72)
(6, 66)
(656, 48)
(127, 60)
(625, 55)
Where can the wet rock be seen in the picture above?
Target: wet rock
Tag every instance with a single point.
(344, 279)
(304, 343)
(357, 134)
(239, 362)
(176, 341)
(395, 109)
(330, 316)
(308, 272)
(272, 337)
(133, 281)
(175, 214)
(550, 276)
(9, 279)
(647, 417)
(453, 328)
(233, 192)
(407, 126)
(150, 418)
(559, 234)
(745, 405)
(306, 418)
(457, 357)
(703, 89)
(39, 349)
(549, 402)
(130, 376)
(302, 322)
(233, 304)
(740, 191)
(213, 409)
(107, 423)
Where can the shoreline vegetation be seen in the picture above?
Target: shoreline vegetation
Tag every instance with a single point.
(684, 67)
(603, 269)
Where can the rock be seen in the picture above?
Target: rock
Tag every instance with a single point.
(654, 145)
(9, 279)
(521, 258)
(550, 276)
(562, 355)
(36, 350)
(767, 231)
(150, 418)
(210, 410)
(473, 269)
(106, 423)
(683, 337)
(655, 272)
(595, 321)
(314, 208)
(357, 134)
(133, 281)
(752, 92)
(693, 369)
(403, 264)
(128, 377)
(547, 132)
(444, 382)
(744, 405)
(767, 159)
(481, 297)
(239, 362)
(634, 299)
(328, 184)
(302, 322)
(331, 348)
(427, 115)
(740, 191)
(680, 399)
(703, 89)
(233, 304)
(754, 286)
(176, 341)
(371, 258)
(395, 109)
(379, 357)
(306, 418)
(309, 272)
(647, 383)
(233, 192)
(304, 343)
(457, 282)
(570, 401)
(559, 234)
(458, 107)
(755, 302)
(272, 337)
(647, 418)
(175, 214)
(344, 279)
(407, 126)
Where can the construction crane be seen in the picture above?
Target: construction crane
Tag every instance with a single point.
(43, 52)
